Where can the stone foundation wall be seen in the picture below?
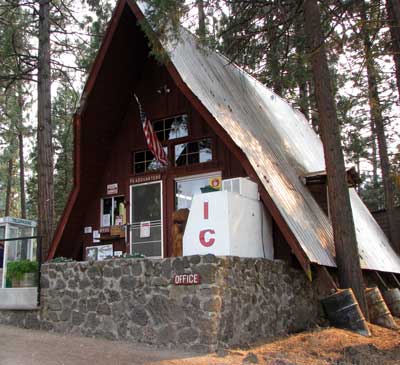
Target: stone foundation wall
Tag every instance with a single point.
(239, 301)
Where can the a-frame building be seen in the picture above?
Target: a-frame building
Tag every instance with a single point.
(214, 120)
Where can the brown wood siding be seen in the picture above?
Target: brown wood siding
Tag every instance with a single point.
(318, 191)
(381, 217)
(111, 131)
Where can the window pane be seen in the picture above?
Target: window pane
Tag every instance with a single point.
(139, 156)
(193, 152)
(179, 127)
(139, 168)
(171, 128)
(180, 154)
(185, 189)
(193, 147)
(106, 216)
(148, 249)
(193, 158)
(147, 161)
(169, 122)
(205, 150)
(149, 156)
(119, 210)
(153, 165)
(146, 203)
(158, 126)
(107, 206)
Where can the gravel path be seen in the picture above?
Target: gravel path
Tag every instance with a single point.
(23, 347)
(324, 346)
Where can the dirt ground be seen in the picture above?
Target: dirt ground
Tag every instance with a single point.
(318, 347)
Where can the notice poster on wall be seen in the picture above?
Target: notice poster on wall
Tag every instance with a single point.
(106, 220)
(96, 236)
(104, 252)
(91, 253)
(99, 253)
(87, 230)
(145, 229)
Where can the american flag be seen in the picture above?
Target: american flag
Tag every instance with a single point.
(151, 137)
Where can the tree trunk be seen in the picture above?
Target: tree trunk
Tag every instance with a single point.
(301, 71)
(378, 122)
(9, 187)
(393, 12)
(22, 174)
(44, 133)
(21, 152)
(202, 20)
(313, 107)
(347, 257)
(273, 61)
(374, 155)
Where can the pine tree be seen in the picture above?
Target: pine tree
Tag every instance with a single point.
(378, 123)
(347, 257)
(64, 105)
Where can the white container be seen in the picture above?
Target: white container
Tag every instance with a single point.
(228, 224)
(243, 186)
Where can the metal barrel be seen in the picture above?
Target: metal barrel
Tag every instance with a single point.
(378, 311)
(392, 299)
(343, 311)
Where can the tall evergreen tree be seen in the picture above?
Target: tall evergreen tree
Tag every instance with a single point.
(46, 217)
(64, 105)
(378, 124)
(347, 257)
(393, 17)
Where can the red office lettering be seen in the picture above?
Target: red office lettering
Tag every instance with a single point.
(202, 237)
(205, 210)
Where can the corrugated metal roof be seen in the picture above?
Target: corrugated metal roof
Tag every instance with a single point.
(375, 251)
(281, 146)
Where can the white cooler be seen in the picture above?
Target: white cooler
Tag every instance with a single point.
(226, 223)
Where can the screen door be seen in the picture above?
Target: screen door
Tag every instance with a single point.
(146, 219)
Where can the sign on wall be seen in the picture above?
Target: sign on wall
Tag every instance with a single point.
(187, 279)
(144, 179)
(112, 189)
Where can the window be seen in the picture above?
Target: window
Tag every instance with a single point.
(193, 152)
(144, 161)
(112, 211)
(186, 187)
(171, 128)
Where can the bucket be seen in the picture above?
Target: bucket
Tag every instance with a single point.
(378, 311)
(343, 311)
(392, 299)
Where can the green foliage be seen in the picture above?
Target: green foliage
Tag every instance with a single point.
(95, 27)
(134, 255)
(60, 259)
(162, 23)
(64, 106)
(17, 269)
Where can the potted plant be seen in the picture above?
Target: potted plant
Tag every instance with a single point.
(22, 273)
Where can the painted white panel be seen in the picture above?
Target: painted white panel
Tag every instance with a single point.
(234, 226)
(18, 298)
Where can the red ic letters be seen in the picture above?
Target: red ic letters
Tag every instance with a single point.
(202, 237)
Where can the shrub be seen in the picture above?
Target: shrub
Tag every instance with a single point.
(17, 269)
